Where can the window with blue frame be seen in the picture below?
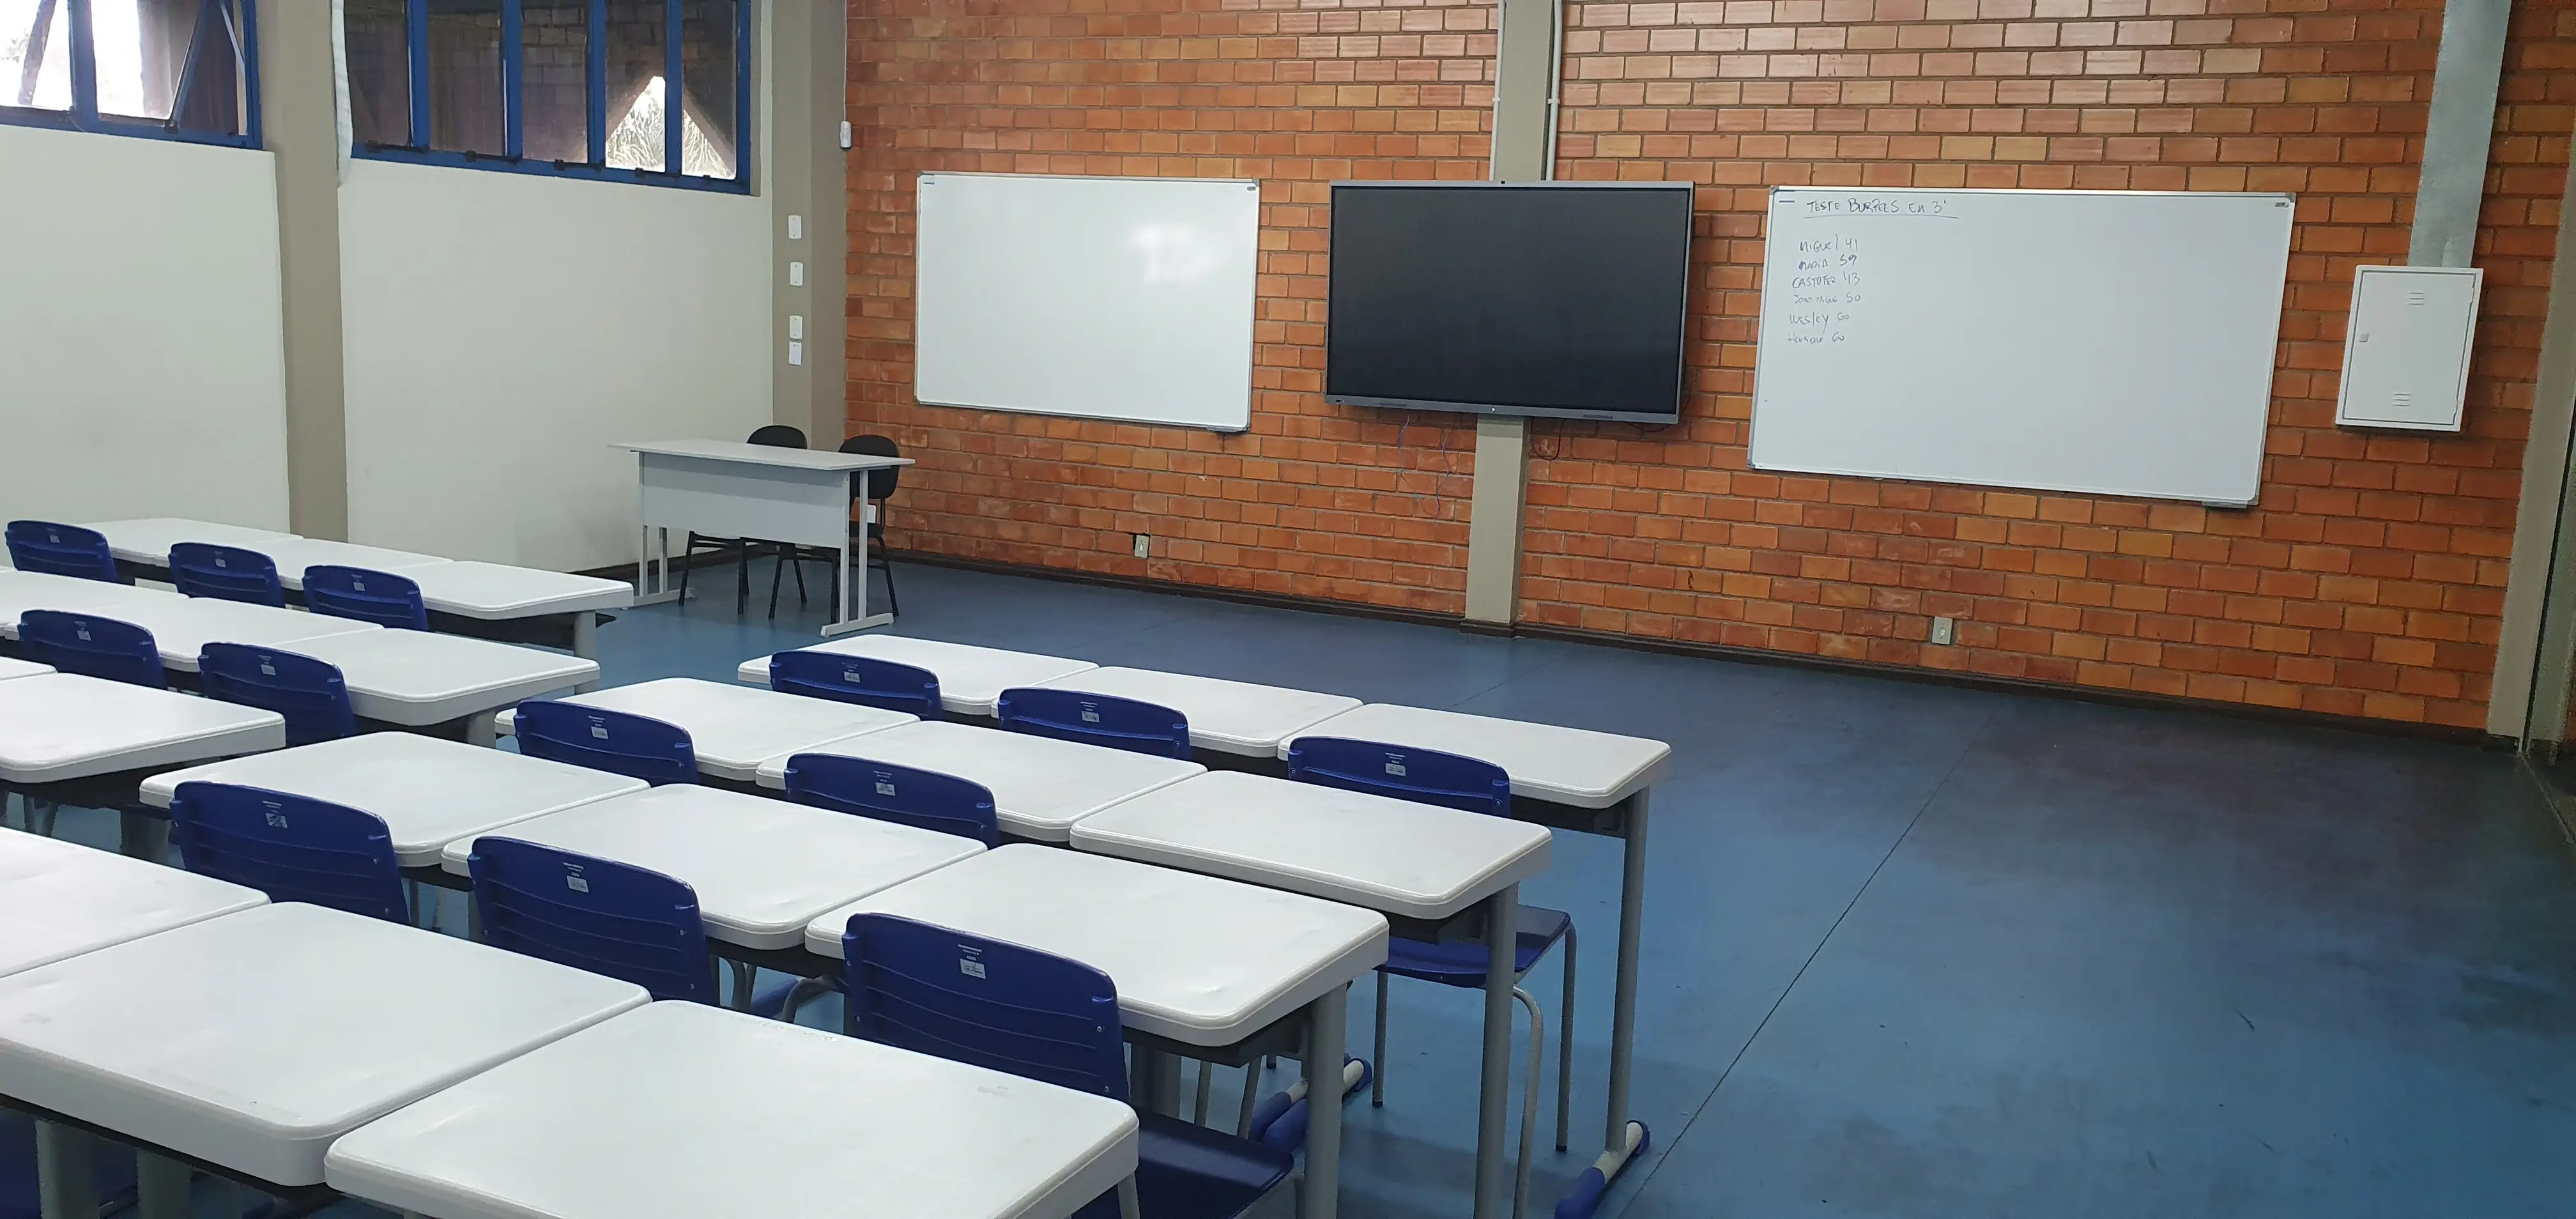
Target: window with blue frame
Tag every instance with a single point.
(651, 91)
(166, 69)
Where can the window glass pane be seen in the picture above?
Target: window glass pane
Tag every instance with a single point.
(636, 38)
(554, 77)
(35, 54)
(708, 63)
(160, 59)
(379, 53)
(465, 76)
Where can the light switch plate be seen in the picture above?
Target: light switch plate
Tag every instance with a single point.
(796, 275)
(795, 227)
(2407, 347)
(795, 353)
(796, 325)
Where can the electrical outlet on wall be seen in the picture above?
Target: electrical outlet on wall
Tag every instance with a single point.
(1144, 545)
(1945, 631)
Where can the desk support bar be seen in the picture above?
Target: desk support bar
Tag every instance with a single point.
(1494, 1092)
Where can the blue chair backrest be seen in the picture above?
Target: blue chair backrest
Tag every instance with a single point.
(62, 550)
(931, 990)
(856, 679)
(379, 597)
(308, 692)
(901, 794)
(293, 848)
(230, 573)
(1096, 719)
(95, 647)
(1424, 776)
(614, 741)
(610, 918)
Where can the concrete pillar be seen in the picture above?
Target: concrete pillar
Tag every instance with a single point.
(299, 122)
(807, 184)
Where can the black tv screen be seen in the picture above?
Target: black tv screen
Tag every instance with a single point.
(1564, 299)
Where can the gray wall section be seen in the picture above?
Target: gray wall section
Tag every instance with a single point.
(2457, 127)
(2536, 646)
(299, 120)
(806, 178)
(1525, 69)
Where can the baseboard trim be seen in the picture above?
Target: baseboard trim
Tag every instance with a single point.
(1315, 605)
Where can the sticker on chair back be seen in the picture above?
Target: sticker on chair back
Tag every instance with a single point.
(854, 677)
(885, 787)
(81, 629)
(358, 585)
(267, 668)
(1395, 764)
(1091, 713)
(221, 561)
(574, 880)
(599, 728)
(967, 964)
(274, 814)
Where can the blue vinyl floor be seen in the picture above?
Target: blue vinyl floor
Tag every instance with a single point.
(1921, 951)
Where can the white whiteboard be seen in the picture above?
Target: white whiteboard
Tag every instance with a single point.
(1106, 298)
(2109, 342)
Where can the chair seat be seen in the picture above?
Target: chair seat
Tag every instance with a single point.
(1462, 962)
(1186, 1171)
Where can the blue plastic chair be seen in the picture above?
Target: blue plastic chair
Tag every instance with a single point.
(1096, 719)
(62, 550)
(1046, 1018)
(857, 679)
(308, 692)
(93, 647)
(922, 798)
(599, 915)
(226, 573)
(293, 848)
(614, 741)
(379, 597)
(1428, 776)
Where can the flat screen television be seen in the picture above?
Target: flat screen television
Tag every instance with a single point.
(1564, 299)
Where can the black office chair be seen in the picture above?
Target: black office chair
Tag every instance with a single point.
(874, 486)
(776, 436)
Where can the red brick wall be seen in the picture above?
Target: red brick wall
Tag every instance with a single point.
(1313, 500)
(2367, 582)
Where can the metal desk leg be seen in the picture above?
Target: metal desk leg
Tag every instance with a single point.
(1154, 1081)
(1621, 1139)
(66, 1173)
(160, 1187)
(143, 835)
(1326, 1030)
(854, 602)
(1494, 1086)
(479, 729)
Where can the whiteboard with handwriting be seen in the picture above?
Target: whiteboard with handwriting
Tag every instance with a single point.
(2107, 342)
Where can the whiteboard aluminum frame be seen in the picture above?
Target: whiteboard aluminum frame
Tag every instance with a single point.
(924, 178)
(1753, 420)
(1681, 351)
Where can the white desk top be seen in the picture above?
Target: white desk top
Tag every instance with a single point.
(1226, 716)
(732, 728)
(496, 591)
(11, 666)
(254, 1039)
(1573, 766)
(416, 678)
(970, 678)
(183, 626)
(293, 555)
(428, 791)
(1041, 787)
(64, 726)
(21, 591)
(1196, 959)
(148, 540)
(764, 455)
(681, 1111)
(763, 868)
(1417, 860)
(61, 899)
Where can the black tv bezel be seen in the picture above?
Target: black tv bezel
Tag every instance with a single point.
(1681, 363)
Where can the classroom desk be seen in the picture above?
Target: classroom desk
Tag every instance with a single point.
(1419, 864)
(1593, 782)
(428, 792)
(1204, 967)
(682, 1111)
(245, 1044)
(293, 555)
(971, 679)
(415, 679)
(61, 899)
(1234, 718)
(735, 729)
(727, 489)
(519, 604)
(85, 741)
(21, 591)
(763, 868)
(1041, 787)
(11, 666)
(182, 626)
(146, 542)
